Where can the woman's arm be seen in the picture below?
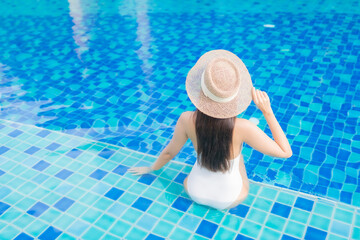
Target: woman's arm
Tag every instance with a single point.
(170, 151)
(177, 142)
(257, 139)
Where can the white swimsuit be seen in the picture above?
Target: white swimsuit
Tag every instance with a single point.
(215, 189)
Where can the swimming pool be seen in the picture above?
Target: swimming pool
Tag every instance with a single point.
(113, 72)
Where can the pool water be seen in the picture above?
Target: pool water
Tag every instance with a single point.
(113, 73)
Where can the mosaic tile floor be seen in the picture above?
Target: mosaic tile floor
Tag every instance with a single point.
(58, 186)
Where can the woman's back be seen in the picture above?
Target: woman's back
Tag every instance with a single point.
(217, 189)
(190, 118)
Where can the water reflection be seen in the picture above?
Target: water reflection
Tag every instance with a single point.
(80, 29)
(143, 35)
(12, 92)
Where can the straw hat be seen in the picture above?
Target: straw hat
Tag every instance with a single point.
(219, 84)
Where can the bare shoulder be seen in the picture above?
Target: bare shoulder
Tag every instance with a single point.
(242, 123)
(243, 127)
(186, 117)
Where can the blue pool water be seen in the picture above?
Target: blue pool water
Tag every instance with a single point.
(113, 72)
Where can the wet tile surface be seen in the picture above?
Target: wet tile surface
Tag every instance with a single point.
(44, 204)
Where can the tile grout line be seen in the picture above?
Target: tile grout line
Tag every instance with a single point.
(163, 190)
(51, 206)
(78, 217)
(268, 216)
(261, 184)
(186, 164)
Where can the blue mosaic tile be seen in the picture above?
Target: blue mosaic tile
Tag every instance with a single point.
(64, 174)
(147, 179)
(182, 204)
(101, 188)
(114, 193)
(43, 133)
(3, 149)
(98, 174)
(346, 197)
(287, 237)
(180, 178)
(142, 203)
(15, 133)
(121, 169)
(99, 203)
(281, 210)
(40, 178)
(53, 146)
(304, 204)
(147, 222)
(313, 233)
(74, 153)
(32, 150)
(117, 209)
(105, 221)
(206, 229)
(64, 203)
(242, 237)
(340, 228)
(153, 237)
(3, 207)
(189, 222)
(240, 210)
(50, 233)
(106, 153)
(41, 165)
(38, 209)
(23, 236)
(77, 228)
(4, 191)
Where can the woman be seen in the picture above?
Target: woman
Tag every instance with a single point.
(220, 87)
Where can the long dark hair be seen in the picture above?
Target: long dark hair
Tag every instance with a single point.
(214, 140)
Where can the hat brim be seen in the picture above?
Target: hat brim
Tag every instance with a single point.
(208, 106)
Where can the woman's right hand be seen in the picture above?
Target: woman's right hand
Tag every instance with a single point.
(262, 101)
(140, 170)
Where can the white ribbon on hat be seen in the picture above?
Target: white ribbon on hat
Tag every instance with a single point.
(213, 97)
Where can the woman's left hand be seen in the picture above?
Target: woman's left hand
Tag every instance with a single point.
(140, 170)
